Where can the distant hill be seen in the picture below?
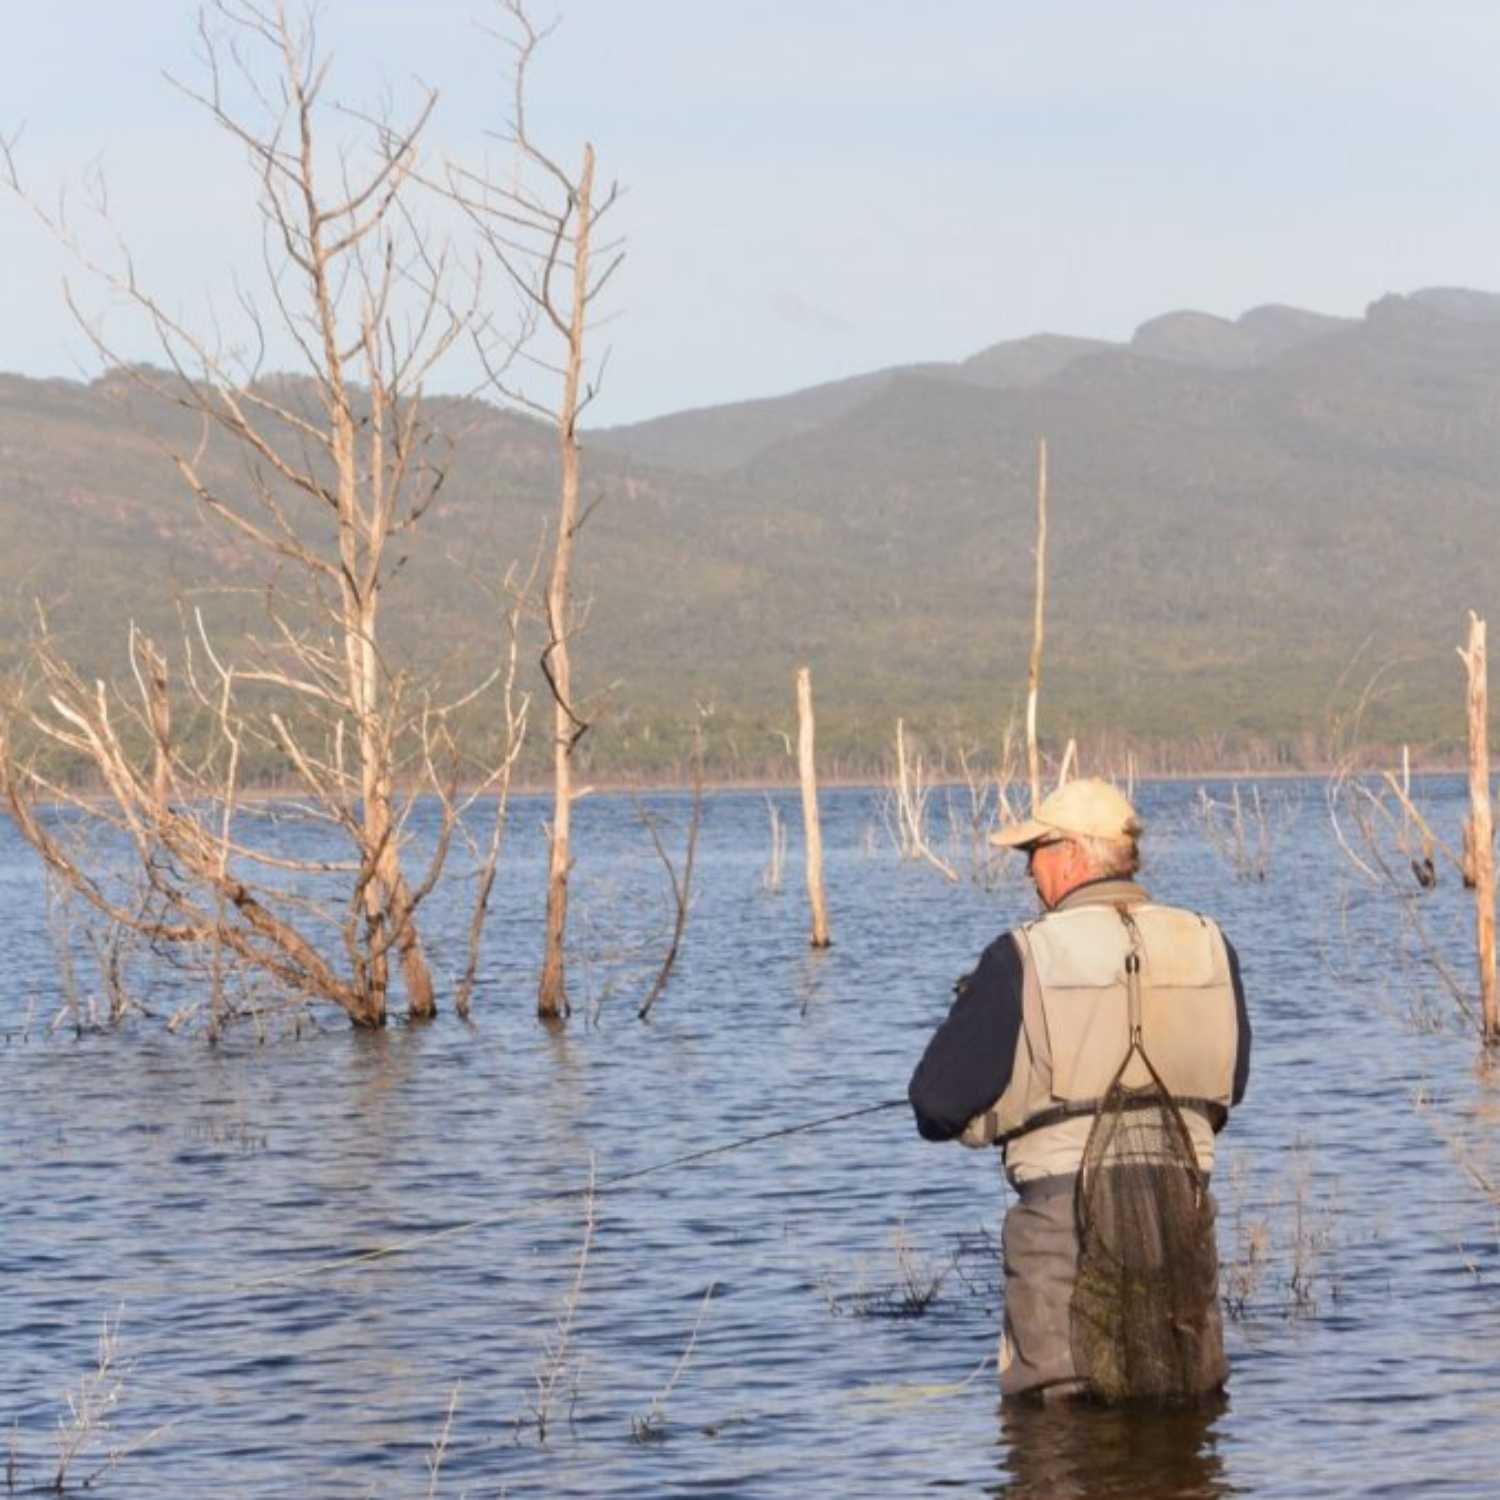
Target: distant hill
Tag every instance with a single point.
(1256, 338)
(1238, 508)
(719, 439)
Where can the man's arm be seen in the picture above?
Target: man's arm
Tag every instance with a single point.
(1242, 1026)
(969, 1059)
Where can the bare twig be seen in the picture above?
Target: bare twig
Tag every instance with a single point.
(90, 1403)
(558, 1365)
(682, 889)
(652, 1426)
(912, 793)
(440, 1443)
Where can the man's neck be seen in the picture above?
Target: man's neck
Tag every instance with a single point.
(1103, 890)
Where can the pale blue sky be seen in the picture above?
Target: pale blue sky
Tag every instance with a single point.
(826, 187)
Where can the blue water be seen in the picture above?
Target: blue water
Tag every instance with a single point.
(192, 1194)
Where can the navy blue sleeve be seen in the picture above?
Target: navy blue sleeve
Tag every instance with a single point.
(968, 1062)
(1242, 1026)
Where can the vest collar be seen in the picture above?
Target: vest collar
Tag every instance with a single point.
(1108, 891)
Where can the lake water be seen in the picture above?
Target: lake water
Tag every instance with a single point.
(197, 1193)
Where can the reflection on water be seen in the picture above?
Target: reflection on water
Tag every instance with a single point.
(1077, 1451)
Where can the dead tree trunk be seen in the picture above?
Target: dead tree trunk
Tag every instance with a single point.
(552, 992)
(1034, 673)
(908, 817)
(813, 834)
(1481, 826)
(539, 227)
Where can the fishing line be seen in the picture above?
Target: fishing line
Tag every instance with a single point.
(335, 1264)
(749, 1140)
(871, 1398)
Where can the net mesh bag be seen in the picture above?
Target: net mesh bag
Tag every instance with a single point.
(1145, 1323)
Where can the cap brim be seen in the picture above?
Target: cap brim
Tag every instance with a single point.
(1019, 835)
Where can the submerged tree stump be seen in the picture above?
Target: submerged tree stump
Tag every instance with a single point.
(1480, 832)
(813, 835)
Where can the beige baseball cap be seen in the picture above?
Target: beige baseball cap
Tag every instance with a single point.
(1087, 807)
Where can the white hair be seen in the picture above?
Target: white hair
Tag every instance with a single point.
(1116, 859)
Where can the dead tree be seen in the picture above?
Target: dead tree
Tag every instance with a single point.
(1479, 831)
(1389, 830)
(811, 826)
(911, 794)
(337, 470)
(1034, 671)
(540, 227)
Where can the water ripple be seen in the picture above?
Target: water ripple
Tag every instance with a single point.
(154, 1179)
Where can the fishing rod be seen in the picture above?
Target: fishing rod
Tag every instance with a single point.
(418, 1241)
(335, 1264)
(750, 1140)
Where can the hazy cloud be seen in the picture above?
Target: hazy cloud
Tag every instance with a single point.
(801, 313)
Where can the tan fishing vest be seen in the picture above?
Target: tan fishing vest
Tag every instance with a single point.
(1076, 1024)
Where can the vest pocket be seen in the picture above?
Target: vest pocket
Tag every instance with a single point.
(1190, 1039)
(1088, 1032)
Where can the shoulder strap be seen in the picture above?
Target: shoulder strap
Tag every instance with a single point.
(1213, 1111)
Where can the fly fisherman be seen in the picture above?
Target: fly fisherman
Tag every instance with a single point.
(1100, 1047)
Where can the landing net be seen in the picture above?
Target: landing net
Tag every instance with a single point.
(1145, 1318)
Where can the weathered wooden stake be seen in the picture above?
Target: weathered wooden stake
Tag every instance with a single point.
(906, 816)
(1481, 826)
(1034, 675)
(813, 835)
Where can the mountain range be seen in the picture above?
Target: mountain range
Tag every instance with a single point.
(1248, 519)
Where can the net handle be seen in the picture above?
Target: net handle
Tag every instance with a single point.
(1133, 977)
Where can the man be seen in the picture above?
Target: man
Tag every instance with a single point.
(1104, 1006)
